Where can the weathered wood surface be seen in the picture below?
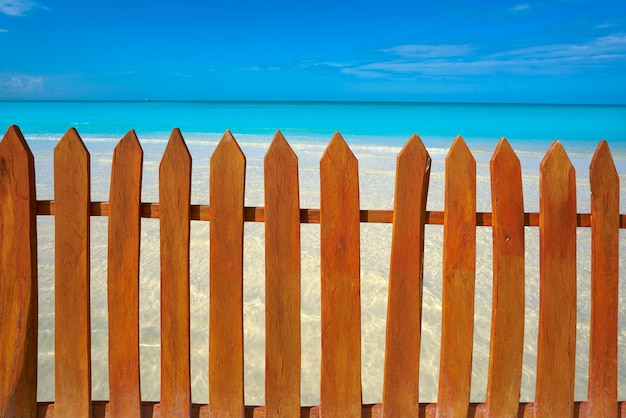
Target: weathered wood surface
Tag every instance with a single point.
(72, 317)
(459, 270)
(404, 307)
(227, 184)
(556, 346)
(605, 184)
(18, 278)
(175, 200)
(123, 277)
(282, 281)
(340, 391)
(508, 302)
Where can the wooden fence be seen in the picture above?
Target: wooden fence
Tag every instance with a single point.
(339, 217)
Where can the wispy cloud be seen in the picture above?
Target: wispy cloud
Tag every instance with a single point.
(429, 51)
(308, 64)
(520, 7)
(18, 7)
(465, 60)
(21, 83)
(4, 31)
(258, 68)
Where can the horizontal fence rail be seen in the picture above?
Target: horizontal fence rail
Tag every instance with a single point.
(339, 217)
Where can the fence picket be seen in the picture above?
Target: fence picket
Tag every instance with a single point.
(282, 272)
(556, 348)
(459, 270)
(18, 277)
(604, 181)
(227, 182)
(123, 277)
(404, 306)
(507, 314)
(175, 201)
(72, 338)
(340, 392)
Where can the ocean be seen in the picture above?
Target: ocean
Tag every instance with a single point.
(375, 132)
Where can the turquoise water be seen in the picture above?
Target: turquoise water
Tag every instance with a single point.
(375, 133)
(375, 123)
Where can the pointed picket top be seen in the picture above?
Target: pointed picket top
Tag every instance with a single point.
(459, 153)
(507, 315)
(337, 150)
(602, 168)
(228, 149)
(504, 155)
(414, 152)
(128, 144)
(18, 278)
(71, 150)
(15, 144)
(556, 161)
(176, 151)
(279, 149)
(70, 141)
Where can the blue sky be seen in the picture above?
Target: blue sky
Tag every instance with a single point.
(566, 51)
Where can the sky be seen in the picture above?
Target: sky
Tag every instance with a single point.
(561, 51)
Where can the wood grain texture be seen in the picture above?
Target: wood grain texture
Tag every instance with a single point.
(175, 200)
(72, 318)
(605, 184)
(282, 281)
(508, 302)
(227, 171)
(123, 277)
(404, 307)
(556, 349)
(340, 393)
(18, 278)
(459, 271)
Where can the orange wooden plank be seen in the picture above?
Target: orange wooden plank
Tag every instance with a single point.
(459, 270)
(123, 277)
(18, 278)
(282, 281)
(175, 199)
(340, 394)
(227, 183)
(72, 318)
(556, 349)
(507, 315)
(604, 180)
(404, 307)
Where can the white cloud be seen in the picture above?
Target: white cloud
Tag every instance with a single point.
(17, 7)
(21, 83)
(520, 7)
(4, 30)
(458, 60)
(429, 51)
